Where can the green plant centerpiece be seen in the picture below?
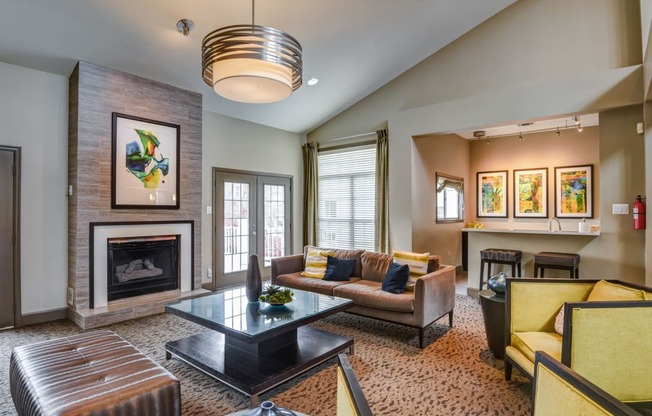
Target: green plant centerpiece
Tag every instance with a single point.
(276, 295)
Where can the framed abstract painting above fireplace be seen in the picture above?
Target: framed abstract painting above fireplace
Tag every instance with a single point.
(144, 163)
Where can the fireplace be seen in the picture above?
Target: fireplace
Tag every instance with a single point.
(142, 265)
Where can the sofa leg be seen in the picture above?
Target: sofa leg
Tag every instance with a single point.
(421, 331)
(450, 319)
(508, 370)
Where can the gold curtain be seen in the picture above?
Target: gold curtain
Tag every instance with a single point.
(382, 191)
(310, 195)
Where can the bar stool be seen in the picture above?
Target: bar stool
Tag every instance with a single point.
(499, 256)
(563, 261)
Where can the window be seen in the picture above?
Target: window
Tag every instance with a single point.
(450, 198)
(347, 198)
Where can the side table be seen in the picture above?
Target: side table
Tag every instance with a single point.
(493, 313)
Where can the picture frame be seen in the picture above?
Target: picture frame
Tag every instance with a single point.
(144, 163)
(531, 193)
(492, 194)
(574, 191)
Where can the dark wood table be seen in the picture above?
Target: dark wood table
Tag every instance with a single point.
(493, 313)
(254, 347)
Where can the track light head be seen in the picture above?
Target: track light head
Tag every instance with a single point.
(557, 133)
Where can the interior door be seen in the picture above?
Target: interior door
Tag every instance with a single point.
(7, 238)
(252, 216)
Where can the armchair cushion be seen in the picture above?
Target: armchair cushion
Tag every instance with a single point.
(604, 290)
(528, 343)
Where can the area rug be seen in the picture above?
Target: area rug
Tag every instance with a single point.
(455, 374)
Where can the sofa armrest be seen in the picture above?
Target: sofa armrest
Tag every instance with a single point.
(286, 264)
(434, 295)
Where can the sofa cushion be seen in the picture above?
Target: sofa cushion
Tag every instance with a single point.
(417, 262)
(375, 265)
(530, 342)
(316, 260)
(396, 278)
(296, 281)
(369, 294)
(338, 270)
(607, 291)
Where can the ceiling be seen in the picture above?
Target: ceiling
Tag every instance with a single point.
(352, 46)
(532, 126)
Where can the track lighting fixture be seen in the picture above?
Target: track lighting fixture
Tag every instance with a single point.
(557, 133)
(520, 137)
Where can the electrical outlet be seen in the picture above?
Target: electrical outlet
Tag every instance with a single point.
(71, 296)
(209, 273)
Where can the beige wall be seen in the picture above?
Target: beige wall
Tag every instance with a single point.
(34, 117)
(235, 144)
(449, 154)
(534, 60)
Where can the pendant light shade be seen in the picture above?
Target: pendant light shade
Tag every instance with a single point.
(252, 63)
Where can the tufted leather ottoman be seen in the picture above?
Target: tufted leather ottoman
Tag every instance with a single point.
(95, 373)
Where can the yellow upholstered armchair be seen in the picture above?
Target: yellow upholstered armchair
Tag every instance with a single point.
(558, 390)
(607, 342)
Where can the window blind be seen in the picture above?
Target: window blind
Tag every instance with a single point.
(347, 198)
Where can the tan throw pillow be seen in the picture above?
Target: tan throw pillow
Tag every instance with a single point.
(375, 265)
(417, 262)
(316, 261)
(559, 321)
(604, 290)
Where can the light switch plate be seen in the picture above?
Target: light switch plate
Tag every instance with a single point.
(620, 209)
(209, 209)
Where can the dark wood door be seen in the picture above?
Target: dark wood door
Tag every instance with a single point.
(7, 237)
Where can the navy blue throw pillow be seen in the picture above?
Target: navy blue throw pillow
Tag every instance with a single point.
(396, 278)
(338, 269)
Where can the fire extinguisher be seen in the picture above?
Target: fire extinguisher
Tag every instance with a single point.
(639, 214)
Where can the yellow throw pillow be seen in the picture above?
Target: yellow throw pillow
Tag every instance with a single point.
(417, 262)
(647, 295)
(604, 290)
(316, 261)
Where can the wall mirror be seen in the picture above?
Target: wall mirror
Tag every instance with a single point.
(450, 198)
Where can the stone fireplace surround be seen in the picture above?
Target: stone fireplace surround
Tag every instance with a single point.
(95, 92)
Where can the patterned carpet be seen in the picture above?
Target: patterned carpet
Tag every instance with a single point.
(454, 375)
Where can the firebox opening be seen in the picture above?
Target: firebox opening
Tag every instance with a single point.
(142, 265)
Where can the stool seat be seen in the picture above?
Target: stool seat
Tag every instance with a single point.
(553, 260)
(491, 256)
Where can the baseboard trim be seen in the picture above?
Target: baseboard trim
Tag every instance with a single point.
(40, 317)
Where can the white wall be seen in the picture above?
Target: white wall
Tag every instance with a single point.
(34, 117)
(235, 144)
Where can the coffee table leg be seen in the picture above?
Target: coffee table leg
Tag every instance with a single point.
(167, 355)
(255, 400)
(351, 350)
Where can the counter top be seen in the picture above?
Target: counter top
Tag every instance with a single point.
(523, 231)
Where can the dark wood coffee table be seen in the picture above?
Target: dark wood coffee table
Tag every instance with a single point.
(254, 347)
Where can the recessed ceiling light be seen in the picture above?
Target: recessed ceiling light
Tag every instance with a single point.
(312, 81)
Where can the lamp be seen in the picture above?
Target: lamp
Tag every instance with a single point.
(252, 63)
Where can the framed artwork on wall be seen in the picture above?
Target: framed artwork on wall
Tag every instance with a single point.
(144, 163)
(531, 193)
(492, 194)
(574, 191)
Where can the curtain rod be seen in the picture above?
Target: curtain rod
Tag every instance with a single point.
(347, 137)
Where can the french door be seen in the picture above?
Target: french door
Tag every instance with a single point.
(252, 215)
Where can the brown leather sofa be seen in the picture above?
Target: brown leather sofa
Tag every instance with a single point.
(433, 295)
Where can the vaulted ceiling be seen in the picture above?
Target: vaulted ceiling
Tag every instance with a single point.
(352, 46)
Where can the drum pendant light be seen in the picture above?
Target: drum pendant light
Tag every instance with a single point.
(252, 63)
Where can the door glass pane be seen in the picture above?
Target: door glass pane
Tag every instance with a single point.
(236, 226)
(274, 215)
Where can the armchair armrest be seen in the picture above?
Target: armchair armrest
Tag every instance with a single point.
(559, 390)
(286, 264)
(610, 343)
(434, 295)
